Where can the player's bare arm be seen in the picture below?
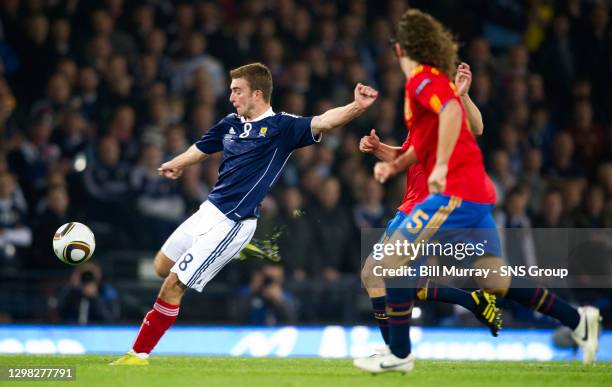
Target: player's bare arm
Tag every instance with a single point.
(385, 169)
(448, 133)
(463, 81)
(173, 169)
(333, 118)
(371, 144)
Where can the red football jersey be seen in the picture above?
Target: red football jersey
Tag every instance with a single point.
(429, 90)
(416, 183)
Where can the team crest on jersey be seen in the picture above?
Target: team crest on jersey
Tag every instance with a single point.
(263, 131)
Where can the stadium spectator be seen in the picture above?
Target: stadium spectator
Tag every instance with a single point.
(15, 234)
(541, 131)
(8, 103)
(157, 201)
(515, 228)
(123, 128)
(86, 299)
(54, 213)
(176, 141)
(33, 159)
(61, 40)
(103, 25)
(72, 135)
(573, 190)
(57, 100)
(331, 225)
(604, 175)
(370, 212)
(588, 137)
(531, 175)
(34, 53)
(552, 212)
(296, 238)
(143, 19)
(480, 58)
(107, 192)
(265, 301)
(559, 47)
(193, 188)
(511, 143)
(87, 94)
(192, 58)
(591, 215)
(501, 174)
(563, 163)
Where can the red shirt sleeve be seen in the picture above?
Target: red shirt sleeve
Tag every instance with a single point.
(433, 91)
(406, 143)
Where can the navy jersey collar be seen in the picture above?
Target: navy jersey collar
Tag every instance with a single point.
(268, 113)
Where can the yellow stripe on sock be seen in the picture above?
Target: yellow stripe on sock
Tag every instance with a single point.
(476, 300)
(390, 312)
(422, 293)
(541, 300)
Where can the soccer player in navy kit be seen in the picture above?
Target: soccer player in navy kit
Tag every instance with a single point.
(256, 143)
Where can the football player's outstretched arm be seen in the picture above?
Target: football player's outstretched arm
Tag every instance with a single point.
(372, 144)
(386, 169)
(463, 81)
(333, 118)
(449, 128)
(173, 169)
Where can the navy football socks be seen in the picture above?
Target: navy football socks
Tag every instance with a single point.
(544, 301)
(379, 304)
(399, 310)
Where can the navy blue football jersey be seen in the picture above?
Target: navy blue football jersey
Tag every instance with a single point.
(254, 153)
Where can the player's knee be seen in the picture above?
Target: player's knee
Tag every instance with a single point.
(172, 290)
(365, 273)
(374, 285)
(161, 270)
(162, 265)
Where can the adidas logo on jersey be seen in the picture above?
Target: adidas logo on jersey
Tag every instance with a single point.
(232, 131)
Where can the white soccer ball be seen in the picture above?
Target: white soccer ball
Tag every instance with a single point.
(74, 243)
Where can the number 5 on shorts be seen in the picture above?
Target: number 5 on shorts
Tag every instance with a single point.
(416, 224)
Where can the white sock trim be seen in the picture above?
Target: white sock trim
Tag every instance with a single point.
(142, 355)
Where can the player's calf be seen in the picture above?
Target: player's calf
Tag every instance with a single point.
(172, 290)
(494, 283)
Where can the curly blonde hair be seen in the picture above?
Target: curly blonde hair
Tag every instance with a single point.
(426, 41)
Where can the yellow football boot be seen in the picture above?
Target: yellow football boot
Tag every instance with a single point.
(131, 359)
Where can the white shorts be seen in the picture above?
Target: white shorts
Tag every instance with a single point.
(204, 243)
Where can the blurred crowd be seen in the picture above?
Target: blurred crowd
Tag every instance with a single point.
(95, 95)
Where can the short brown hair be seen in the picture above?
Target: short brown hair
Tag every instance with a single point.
(426, 41)
(258, 76)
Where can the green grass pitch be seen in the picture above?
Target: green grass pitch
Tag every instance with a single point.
(296, 372)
